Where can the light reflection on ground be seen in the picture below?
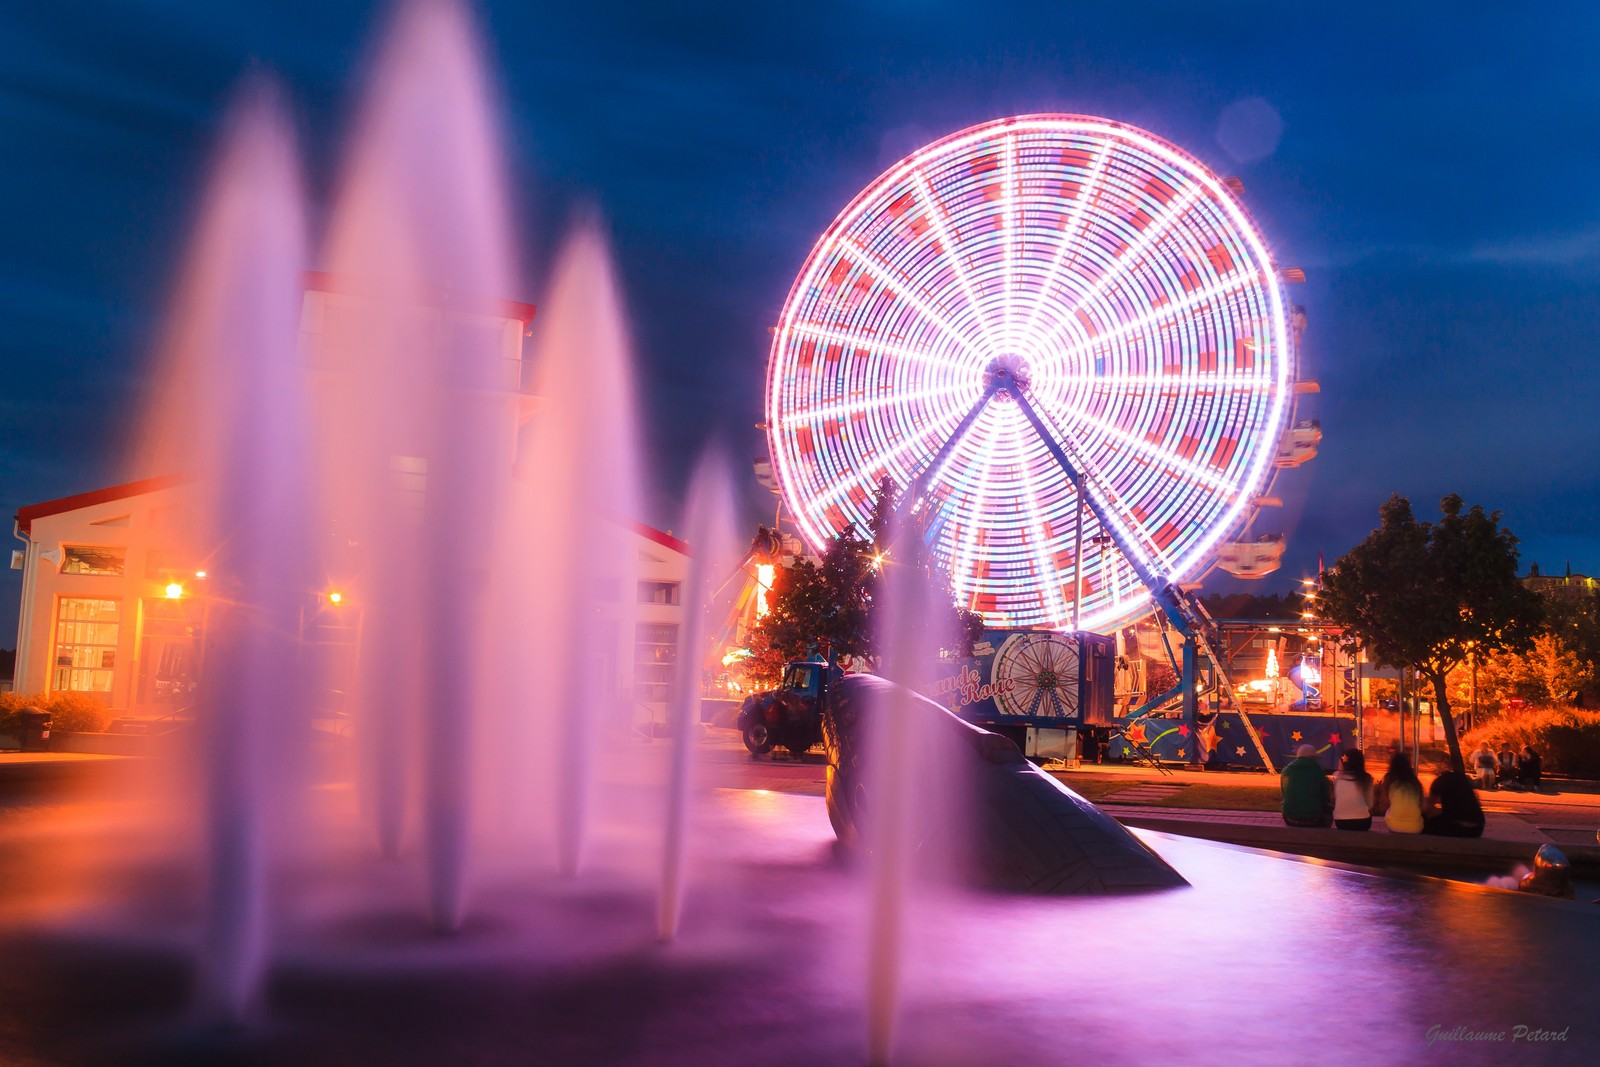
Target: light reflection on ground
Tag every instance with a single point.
(1262, 961)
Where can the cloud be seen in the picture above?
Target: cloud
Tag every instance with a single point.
(1558, 249)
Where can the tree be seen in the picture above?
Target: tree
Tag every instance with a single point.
(1425, 595)
(1542, 674)
(836, 599)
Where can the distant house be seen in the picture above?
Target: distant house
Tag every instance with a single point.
(1565, 587)
(108, 609)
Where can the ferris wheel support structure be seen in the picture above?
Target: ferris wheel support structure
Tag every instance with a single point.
(1008, 379)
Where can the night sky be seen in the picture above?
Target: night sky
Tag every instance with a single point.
(1438, 177)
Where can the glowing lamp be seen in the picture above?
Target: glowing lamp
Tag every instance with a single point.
(335, 597)
(174, 590)
(199, 574)
(764, 576)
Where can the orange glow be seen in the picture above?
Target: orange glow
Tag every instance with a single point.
(335, 597)
(765, 572)
(174, 590)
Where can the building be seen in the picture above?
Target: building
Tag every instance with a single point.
(113, 607)
(1566, 588)
(108, 610)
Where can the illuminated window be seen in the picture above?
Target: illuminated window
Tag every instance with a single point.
(655, 656)
(658, 592)
(83, 559)
(86, 644)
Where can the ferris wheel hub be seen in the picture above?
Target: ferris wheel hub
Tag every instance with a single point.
(1004, 372)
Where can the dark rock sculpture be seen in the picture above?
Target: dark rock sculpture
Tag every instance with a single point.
(1029, 833)
(1551, 875)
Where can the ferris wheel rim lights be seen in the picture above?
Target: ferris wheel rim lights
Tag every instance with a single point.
(962, 340)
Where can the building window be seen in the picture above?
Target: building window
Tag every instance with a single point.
(655, 655)
(83, 559)
(658, 592)
(86, 644)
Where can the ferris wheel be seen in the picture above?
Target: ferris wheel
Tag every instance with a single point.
(1064, 339)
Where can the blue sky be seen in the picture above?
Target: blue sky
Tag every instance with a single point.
(1438, 176)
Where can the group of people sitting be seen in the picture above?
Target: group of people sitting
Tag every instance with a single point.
(1352, 797)
(1507, 770)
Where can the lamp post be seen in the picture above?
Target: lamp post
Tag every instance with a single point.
(1473, 656)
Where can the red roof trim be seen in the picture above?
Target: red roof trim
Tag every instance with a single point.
(26, 515)
(664, 539)
(322, 281)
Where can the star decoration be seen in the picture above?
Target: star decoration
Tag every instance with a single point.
(1239, 751)
(1136, 734)
(1183, 731)
(1333, 739)
(1295, 736)
(1180, 753)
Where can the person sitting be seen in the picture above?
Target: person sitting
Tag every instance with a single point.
(1399, 797)
(1453, 809)
(1306, 799)
(1507, 766)
(1530, 769)
(1485, 765)
(1352, 792)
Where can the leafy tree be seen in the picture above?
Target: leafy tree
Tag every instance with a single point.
(1424, 595)
(836, 599)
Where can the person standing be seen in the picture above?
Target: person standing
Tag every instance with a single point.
(1399, 797)
(1352, 792)
(1306, 798)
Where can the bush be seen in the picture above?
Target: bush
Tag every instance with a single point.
(10, 704)
(1567, 739)
(69, 712)
(76, 713)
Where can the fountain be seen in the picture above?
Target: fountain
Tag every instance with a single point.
(597, 910)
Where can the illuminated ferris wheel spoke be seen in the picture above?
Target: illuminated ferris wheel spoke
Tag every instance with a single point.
(1070, 233)
(1133, 257)
(1164, 313)
(861, 405)
(967, 537)
(852, 477)
(1108, 285)
(1167, 385)
(867, 344)
(1156, 453)
(1011, 244)
(1036, 525)
(869, 264)
(949, 250)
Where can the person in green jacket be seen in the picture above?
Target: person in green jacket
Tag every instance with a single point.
(1307, 799)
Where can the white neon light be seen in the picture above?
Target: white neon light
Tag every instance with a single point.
(865, 259)
(1037, 280)
(935, 214)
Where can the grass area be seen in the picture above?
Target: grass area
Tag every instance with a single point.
(1096, 788)
(1263, 797)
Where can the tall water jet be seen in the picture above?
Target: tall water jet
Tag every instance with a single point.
(235, 422)
(579, 462)
(419, 249)
(910, 649)
(708, 522)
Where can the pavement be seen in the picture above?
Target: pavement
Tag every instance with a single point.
(1141, 796)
